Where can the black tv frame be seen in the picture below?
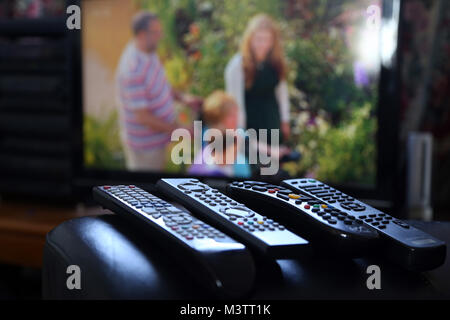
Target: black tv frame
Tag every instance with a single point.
(387, 176)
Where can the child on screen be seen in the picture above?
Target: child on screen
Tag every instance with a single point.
(220, 111)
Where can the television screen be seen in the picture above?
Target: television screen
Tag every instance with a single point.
(303, 75)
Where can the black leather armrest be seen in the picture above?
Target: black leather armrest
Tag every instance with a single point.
(114, 263)
(118, 262)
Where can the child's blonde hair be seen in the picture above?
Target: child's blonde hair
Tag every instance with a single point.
(216, 107)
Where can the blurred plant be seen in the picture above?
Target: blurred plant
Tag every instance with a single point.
(102, 143)
(337, 153)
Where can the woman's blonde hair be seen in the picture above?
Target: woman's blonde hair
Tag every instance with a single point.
(216, 107)
(276, 55)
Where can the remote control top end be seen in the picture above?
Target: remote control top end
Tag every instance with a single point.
(220, 263)
(180, 223)
(264, 235)
(414, 249)
(299, 210)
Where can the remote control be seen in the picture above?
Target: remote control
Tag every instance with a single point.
(221, 264)
(266, 237)
(410, 247)
(321, 225)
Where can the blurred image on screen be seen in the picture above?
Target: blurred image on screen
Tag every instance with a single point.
(307, 68)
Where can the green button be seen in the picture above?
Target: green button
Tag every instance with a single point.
(312, 181)
(316, 206)
(185, 227)
(250, 222)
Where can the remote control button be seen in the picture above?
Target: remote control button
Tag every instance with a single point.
(307, 206)
(150, 210)
(191, 187)
(258, 188)
(294, 196)
(238, 212)
(285, 192)
(282, 196)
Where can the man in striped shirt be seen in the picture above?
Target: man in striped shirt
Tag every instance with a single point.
(146, 98)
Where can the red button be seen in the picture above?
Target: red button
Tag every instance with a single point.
(131, 187)
(174, 228)
(107, 187)
(307, 206)
(272, 191)
(189, 237)
(240, 223)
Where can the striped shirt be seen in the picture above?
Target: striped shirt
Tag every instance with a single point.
(142, 85)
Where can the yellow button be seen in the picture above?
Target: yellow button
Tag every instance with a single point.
(261, 222)
(294, 196)
(324, 206)
(195, 226)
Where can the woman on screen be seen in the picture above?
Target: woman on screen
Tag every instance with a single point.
(256, 78)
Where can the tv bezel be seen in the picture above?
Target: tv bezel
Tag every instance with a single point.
(387, 141)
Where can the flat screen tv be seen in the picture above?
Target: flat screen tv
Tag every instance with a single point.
(322, 74)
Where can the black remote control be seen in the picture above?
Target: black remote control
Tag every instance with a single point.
(266, 237)
(324, 227)
(410, 247)
(221, 264)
